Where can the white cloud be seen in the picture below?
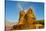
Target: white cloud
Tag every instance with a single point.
(19, 6)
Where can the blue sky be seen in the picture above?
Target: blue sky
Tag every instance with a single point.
(13, 8)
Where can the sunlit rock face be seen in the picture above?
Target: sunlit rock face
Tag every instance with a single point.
(26, 20)
(21, 17)
(30, 18)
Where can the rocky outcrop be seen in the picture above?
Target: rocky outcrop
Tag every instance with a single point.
(26, 20)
